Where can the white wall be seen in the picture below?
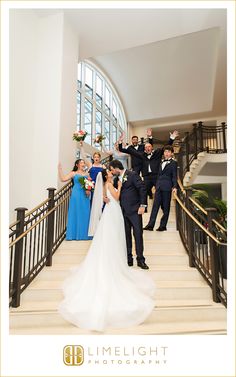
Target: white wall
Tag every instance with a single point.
(43, 71)
(201, 179)
(23, 34)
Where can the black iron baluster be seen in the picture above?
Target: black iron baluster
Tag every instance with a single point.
(213, 257)
(18, 257)
(50, 226)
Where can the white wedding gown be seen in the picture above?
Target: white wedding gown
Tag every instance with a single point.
(104, 292)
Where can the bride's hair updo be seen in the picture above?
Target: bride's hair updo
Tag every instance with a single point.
(104, 175)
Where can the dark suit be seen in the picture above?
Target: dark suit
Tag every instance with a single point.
(150, 164)
(136, 162)
(132, 195)
(167, 179)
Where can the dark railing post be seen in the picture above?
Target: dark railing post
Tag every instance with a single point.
(195, 139)
(211, 212)
(187, 150)
(190, 229)
(224, 136)
(50, 226)
(200, 136)
(18, 257)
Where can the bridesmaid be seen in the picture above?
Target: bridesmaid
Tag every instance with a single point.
(79, 205)
(95, 167)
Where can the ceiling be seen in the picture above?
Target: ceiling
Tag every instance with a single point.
(166, 64)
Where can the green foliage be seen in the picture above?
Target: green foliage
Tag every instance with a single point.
(205, 199)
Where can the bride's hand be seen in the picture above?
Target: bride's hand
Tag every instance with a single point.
(119, 184)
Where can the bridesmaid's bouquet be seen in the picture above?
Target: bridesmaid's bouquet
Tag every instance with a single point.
(79, 135)
(87, 184)
(98, 139)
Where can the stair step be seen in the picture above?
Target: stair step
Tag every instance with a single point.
(51, 305)
(170, 290)
(161, 259)
(60, 272)
(171, 328)
(159, 315)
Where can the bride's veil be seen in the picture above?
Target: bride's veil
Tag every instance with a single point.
(97, 204)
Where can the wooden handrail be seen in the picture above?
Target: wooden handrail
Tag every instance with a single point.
(197, 222)
(37, 222)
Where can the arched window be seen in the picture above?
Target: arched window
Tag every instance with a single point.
(99, 109)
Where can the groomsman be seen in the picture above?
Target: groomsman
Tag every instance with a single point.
(136, 162)
(166, 184)
(150, 160)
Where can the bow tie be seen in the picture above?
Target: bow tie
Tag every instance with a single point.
(166, 160)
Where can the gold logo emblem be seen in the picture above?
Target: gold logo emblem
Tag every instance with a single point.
(73, 355)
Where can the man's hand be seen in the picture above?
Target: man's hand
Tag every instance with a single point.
(106, 199)
(141, 210)
(149, 132)
(174, 134)
(121, 138)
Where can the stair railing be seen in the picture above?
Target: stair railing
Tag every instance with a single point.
(205, 241)
(209, 139)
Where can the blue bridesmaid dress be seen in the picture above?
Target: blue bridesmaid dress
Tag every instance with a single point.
(78, 213)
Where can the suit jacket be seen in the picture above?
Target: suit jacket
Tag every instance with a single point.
(135, 161)
(133, 192)
(153, 161)
(167, 178)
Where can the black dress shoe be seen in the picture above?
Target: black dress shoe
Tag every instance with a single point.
(161, 229)
(147, 227)
(143, 265)
(130, 263)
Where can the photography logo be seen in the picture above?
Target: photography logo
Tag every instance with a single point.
(73, 355)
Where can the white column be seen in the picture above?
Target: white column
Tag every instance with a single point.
(44, 57)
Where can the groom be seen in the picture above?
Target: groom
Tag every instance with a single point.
(133, 203)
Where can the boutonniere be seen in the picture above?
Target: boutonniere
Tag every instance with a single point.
(124, 179)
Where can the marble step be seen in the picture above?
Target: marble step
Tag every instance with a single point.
(51, 305)
(162, 328)
(161, 273)
(159, 315)
(160, 259)
(168, 290)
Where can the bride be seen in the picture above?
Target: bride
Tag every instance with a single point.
(103, 292)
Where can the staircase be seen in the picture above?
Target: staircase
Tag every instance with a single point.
(197, 165)
(183, 299)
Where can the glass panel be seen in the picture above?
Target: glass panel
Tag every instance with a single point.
(107, 133)
(98, 85)
(89, 81)
(78, 110)
(99, 91)
(98, 128)
(114, 110)
(107, 101)
(114, 134)
(79, 75)
(88, 110)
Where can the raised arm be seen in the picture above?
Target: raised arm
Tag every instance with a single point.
(63, 177)
(83, 155)
(129, 150)
(109, 153)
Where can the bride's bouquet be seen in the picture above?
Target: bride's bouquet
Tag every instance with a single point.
(87, 184)
(79, 135)
(99, 138)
